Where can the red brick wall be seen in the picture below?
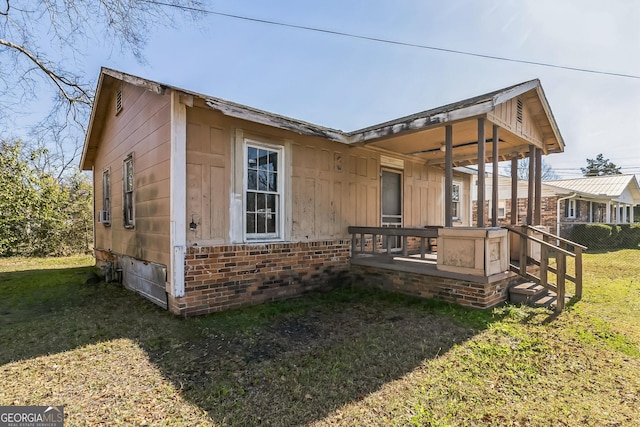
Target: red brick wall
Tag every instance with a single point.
(222, 277)
(469, 294)
(548, 216)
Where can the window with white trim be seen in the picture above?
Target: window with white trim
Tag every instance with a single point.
(105, 216)
(128, 210)
(263, 188)
(455, 201)
(570, 211)
(502, 209)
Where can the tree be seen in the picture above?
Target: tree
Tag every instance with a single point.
(42, 42)
(548, 174)
(600, 166)
(41, 214)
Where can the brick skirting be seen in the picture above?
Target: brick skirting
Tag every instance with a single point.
(461, 292)
(218, 278)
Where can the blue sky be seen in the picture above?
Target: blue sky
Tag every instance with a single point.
(348, 83)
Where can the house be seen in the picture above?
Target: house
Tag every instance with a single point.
(608, 199)
(549, 200)
(203, 204)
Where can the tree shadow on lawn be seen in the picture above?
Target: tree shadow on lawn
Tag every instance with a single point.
(283, 363)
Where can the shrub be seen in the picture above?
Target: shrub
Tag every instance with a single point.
(592, 235)
(597, 236)
(629, 236)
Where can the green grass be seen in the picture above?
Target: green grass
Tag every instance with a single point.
(349, 357)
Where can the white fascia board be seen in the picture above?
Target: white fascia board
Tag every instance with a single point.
(418, 123)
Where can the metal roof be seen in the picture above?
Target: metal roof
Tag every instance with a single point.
(610, 186)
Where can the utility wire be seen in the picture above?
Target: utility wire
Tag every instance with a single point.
(393, 42)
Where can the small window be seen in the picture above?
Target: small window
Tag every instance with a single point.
(502, 209)
(105, 214)
(119, 100)
(127, 192)
(263, 191)
(455, 201)
(570, 208)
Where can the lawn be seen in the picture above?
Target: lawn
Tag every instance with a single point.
(348, 357)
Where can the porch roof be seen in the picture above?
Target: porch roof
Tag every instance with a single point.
(423, 134)
(418, 135)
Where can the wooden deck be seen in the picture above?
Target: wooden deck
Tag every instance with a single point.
(415, 250)
(426, 266)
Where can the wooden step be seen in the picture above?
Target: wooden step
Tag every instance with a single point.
(549, 300)
(535, 295)
(525, 293)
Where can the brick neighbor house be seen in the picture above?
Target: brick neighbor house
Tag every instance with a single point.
(608, 199)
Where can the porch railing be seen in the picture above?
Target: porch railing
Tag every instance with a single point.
(368, 241)
(549, 244)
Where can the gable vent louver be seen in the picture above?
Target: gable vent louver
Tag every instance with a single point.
(119, 100)
(519, 111)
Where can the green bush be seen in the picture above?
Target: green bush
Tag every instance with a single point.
(601, 236)
(629, 236)
(591, 235)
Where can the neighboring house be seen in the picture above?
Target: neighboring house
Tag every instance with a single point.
(203, 204)
(549, 202)
(608, 199)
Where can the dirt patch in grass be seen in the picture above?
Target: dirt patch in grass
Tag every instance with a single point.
(349, 357)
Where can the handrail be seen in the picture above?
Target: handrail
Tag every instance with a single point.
(553, 236)
(542, 242)
(543, 263)
(395, 231)
(370, 247)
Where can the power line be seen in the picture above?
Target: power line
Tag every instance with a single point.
(393, 42)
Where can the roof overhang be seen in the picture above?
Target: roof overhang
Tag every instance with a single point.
(423, 134)
(420, 135)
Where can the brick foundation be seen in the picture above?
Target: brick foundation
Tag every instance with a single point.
(218, 278)
(465, 293)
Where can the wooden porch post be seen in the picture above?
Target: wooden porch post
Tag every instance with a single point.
(494, 183)
(514, 190)
(481, 158)
(532, 183)
(448, 175)
(538, 190)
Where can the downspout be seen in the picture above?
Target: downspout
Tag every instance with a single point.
(558, 211)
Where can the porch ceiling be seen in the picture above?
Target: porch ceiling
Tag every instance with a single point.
(426, 143)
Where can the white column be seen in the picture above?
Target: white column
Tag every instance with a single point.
(608, 219)
(624, 213)
(178, 191)
(618, 213)
(590, 211)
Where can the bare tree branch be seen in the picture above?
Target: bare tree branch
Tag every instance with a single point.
(6, 11)
(63, 84)
(46, 41)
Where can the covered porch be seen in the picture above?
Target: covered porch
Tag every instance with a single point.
(472, 265)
